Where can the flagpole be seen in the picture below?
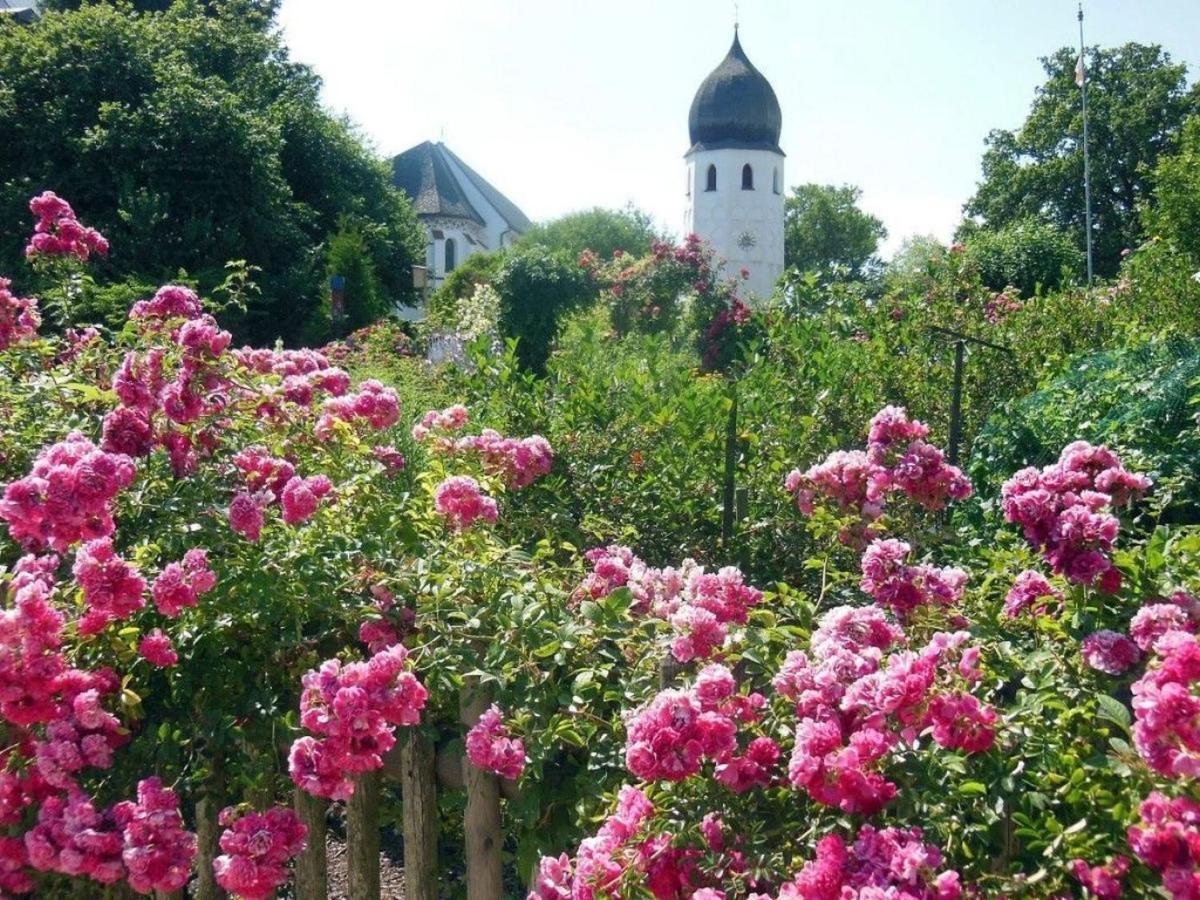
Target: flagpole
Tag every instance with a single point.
(1087, 167)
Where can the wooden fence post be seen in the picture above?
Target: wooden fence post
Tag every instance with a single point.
(312, 867)
(418, 782)
(481, 821)
(208, 833)
(362, 837)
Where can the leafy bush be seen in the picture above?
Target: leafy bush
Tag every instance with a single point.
(536, 287)
(1031, 256)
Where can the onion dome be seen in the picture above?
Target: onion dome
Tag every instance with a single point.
(735, 107)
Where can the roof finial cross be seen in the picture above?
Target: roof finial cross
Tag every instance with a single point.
(735, 15)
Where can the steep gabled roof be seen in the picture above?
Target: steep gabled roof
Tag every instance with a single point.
(510, 212)
(422, 173)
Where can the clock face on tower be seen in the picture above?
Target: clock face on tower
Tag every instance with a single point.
(746, 240)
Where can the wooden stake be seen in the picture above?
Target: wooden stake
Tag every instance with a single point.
(208, 833)
(362, 838)
(418, 781)
(312, 866)
(481, 822)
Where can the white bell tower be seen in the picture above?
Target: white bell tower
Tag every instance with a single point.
(735, 181)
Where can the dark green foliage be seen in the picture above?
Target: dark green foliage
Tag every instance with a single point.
(536, 287)
(603, 231)
(1141, 402)
(1175, 213)
(1028, 255)
(824, 228)
(1137, 101)
(191, 140)
(347, 256)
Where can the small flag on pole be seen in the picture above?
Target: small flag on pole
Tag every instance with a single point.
(1079, 71)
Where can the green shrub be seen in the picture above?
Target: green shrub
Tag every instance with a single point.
(1029, 255)
(536, 287)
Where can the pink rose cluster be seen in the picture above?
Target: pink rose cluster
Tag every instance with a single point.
(375, 404)
(1167, 840)
(437, 426)
(679, 730)
(1031, 592)
(113, 590)
(303, 375)
(462, 503)
(891, 862)
(158, 850)
(82, 735)
(622, 848)
(58, 233)
(1104, 881)
(36, 682)
(854, 703)
(518, 462)
(491, 748)
(1063, 510)
(171, 301)
(256, 848)
(156, 648)
(19, 318)
(353, 710)
(897, 459)
(181, 584)
(270, 480)
(1110, 652)
(700, 605)
(1166, 728)
(903, 588)
(67, 496)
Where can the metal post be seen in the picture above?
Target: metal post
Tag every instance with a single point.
(956, 402)
(1087, 166)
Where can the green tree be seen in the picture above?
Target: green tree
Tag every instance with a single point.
(603, 231)
(1137, 101)
(349, 257)
(825, 228)
(536, 287)
(1026, 254)
(1175, 212)
(190, 140)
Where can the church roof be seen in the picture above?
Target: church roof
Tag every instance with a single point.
(24, 13)
(735, 107)
(426, 173)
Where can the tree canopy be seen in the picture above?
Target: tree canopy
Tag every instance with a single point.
(824, 227)
(1175, 212)
(1137, 101)
(190, 139)
(603, 231)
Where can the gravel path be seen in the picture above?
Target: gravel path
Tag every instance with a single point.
(391, 873)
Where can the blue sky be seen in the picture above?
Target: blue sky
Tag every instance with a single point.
(567, 104)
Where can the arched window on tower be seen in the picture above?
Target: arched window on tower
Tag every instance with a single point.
(451, 261)
(711, 183)
(775, 180)
(747, 178)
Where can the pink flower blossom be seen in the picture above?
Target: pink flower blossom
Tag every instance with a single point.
(112, 588)
(460, 501)
(1104, 881)
(67, 496)
(158, 850)
(1110, 652)
(301, 497)
(1029, 592)
(246, 515)
(354, 710)
(1167, 840)
(1166, 728)
(904, 588)
(257, 847)
(156, 648)
(172, 301)
(58, 233)
(492, 749)
(181, 584)
(19, 318)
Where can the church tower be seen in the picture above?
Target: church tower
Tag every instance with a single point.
(735, 171)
